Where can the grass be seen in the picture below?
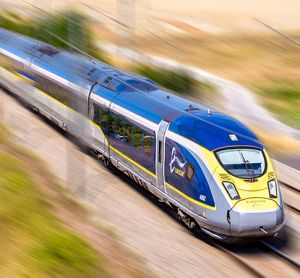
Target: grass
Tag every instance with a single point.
(42, 226)
(282, 98)
(240, 57)
(248, 58)
(177, 81)
(60, 30)
(69, 27)
(259, 61)
(33, 240)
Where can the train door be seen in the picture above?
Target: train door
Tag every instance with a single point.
(160, 154)
(99, 118)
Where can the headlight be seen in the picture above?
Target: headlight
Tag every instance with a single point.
(272, 185)
(231, 190)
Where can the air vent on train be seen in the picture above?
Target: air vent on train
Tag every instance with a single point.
(48, 50)
(271, 175)
(192, 108)
(225, 177)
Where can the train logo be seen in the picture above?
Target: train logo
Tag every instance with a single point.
(180, 164)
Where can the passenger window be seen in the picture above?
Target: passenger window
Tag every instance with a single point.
(42, 84)
(190, 171)
(59, 94)
(103, 120)
(120, 130)
(148, 143)
(112, 124)
(137, 138)
(96, 118)
(128, 133)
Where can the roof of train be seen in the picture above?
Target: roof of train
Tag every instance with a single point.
(140, 95)
(210, 129)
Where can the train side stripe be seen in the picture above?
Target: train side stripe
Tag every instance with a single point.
(189, 198)
(133, 162)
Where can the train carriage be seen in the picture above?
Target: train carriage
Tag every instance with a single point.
(205, 164)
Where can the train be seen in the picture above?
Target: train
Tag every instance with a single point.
(207, 166)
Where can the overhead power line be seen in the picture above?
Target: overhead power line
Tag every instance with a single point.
(291, 40)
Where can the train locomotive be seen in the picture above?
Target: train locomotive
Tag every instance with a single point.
(206, 165)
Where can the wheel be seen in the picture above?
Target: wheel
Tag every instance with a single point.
(106, 162)
(187, 221)
(35, 110)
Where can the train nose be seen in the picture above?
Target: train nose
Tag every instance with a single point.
(255, 217)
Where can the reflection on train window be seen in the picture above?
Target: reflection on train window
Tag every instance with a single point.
(112, 124)
(104, 117)
(120, 130)
(128, 133)
(60, 94)
(190, 171)
(96, 117)
(137, 138)
(148, 143)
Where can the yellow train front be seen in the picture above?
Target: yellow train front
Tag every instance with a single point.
(253, 201)
(223, 174)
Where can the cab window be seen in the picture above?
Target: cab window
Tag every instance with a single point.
(243, 162)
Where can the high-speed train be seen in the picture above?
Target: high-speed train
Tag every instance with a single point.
(205, 164)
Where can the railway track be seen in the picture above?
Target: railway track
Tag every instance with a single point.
(263, 253)
(252, 258)
(277, 255)
(292, 196)
(294, 188)
(252, 264)
(281, 254)
(246, 265)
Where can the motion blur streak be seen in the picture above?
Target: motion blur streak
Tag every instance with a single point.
(241, 58)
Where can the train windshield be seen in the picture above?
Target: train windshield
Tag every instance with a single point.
(243, 162)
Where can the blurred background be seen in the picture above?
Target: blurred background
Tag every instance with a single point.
(241, 57)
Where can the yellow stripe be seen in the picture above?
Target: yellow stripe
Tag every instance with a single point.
(189, 198)
(26, 79)
(169, 185)
(17, 76)
(57, 101)
(72, 110)
(120, 153)
(133, 162)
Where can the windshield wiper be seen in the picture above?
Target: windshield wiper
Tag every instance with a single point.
(250, 171)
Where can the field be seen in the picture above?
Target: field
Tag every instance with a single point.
(226, 39)
(267, 64)
(42, 226)
(282, 97)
